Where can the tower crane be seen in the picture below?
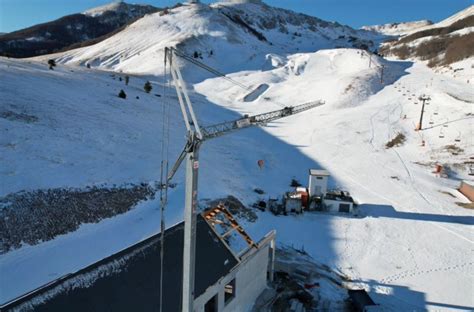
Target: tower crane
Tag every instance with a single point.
(195, 137)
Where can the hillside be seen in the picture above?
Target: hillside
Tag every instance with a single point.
(398, 29)
(102, 140)
(242, 32)
(72, 31)
(444, 43)
(81, 166)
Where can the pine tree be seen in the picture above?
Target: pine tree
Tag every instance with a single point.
(51, 64)
(122, 94)
(147, 87)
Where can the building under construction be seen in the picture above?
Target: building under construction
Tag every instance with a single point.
(129, 280)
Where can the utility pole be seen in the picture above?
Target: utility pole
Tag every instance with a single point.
(423, 98)
(381, 73)
(195, 137)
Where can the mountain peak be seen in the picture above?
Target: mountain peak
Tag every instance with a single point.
(115, 6)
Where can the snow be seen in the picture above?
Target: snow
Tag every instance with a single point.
(113, 6)
(398, 29)
(409, 243)
(456, 17)
(198, 27)
(406, 28)
(448, 21)
(391, 249)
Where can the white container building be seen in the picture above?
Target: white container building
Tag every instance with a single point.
(318, 182)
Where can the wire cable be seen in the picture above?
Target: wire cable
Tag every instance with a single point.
(163, 181)
(218, 73)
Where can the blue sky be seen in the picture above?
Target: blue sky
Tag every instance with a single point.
(17, 14)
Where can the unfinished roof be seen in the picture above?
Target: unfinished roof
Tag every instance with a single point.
(131, 279)
(318, 172)
(360, 299)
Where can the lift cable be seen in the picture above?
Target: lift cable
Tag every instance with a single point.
(163, 177)
(217, 73)
(210, 69)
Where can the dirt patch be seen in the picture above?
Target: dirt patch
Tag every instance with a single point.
(41, 215)
(22, 117)
(447, 193)
(398, 140)
(300, 281)
(453, 149)
(236, 208)
(454, 96)
(465, 205)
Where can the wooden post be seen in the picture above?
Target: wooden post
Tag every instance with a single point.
(381, 73)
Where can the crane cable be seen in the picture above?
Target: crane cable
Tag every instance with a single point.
(217, 73)
(164, 177)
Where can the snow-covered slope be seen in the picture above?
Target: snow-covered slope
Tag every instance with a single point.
(469, 11)
(237, 31)
(409, 243)
(119, 7)
(406, 28)
(441, 44)
(398, 29)
(390, 249)
(409, 232)
(72, 31)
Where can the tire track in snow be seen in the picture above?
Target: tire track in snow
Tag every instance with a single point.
(426, 200)
(394, 203)
(417, 272)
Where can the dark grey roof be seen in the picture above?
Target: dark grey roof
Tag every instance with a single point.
(135, 285)
(319, 172)
(361, 299)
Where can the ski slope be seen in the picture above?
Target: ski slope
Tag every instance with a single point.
(407, 233)
(410, 245)
(217, 35)
(398, 29)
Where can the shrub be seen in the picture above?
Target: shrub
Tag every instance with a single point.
(459, 48)
(51, 63)
(122, 94)
(295, 183)
(402, 52)
(147, 87)
(399, 139)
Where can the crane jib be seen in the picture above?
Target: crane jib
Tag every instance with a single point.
(225, 127)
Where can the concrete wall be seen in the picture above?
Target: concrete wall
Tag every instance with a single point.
(293, 204)
(250, 280)
(467, 189)
(318, 187)
(333, 205)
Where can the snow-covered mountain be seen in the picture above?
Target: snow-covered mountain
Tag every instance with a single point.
(241, 31)
(461, 15)
(72, 30)
(444, 43)
(409, 241)
(398, 29)
(121, 8)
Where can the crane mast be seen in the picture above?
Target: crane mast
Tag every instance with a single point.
(190, 154)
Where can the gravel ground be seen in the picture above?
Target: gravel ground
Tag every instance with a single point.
(41, 215)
